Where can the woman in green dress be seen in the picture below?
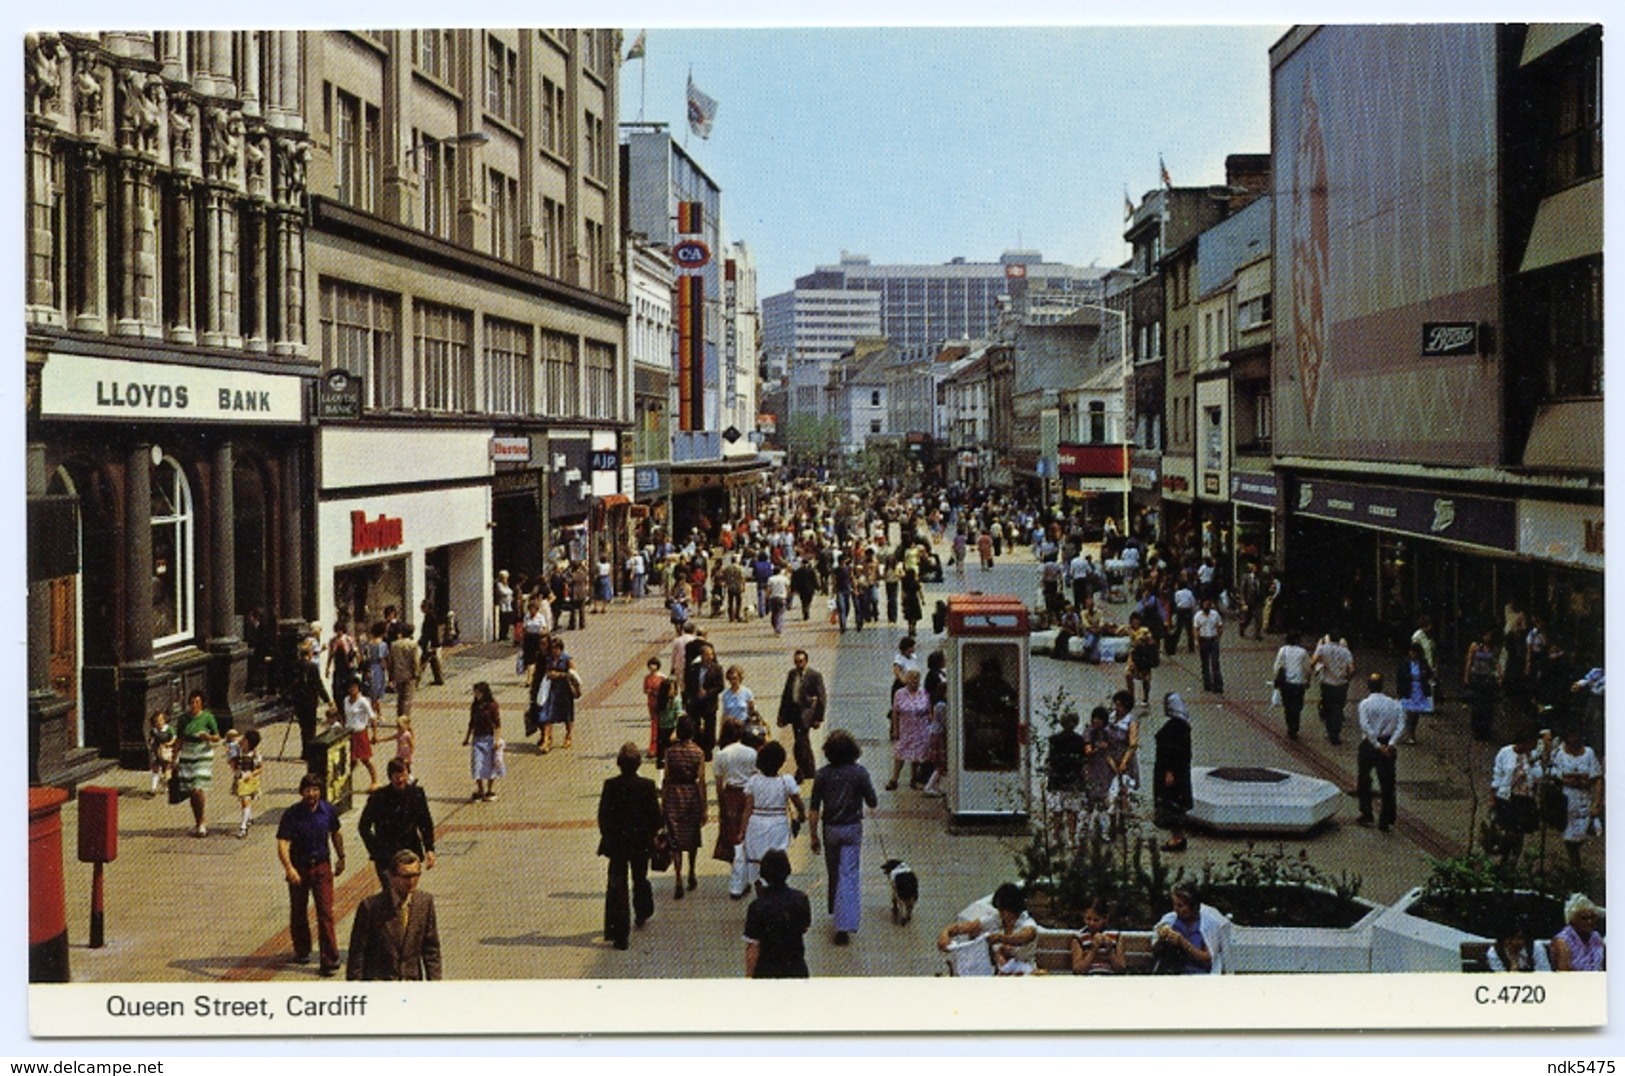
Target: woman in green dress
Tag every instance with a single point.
(194, 767)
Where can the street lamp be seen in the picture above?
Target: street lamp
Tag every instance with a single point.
(467, 138)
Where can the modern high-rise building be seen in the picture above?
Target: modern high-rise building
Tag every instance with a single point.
(922, 305)
(813, 325)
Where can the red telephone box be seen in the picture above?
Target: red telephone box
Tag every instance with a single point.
(989, 759)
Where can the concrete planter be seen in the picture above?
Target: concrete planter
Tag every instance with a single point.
(1290, 950)
(1401, 941)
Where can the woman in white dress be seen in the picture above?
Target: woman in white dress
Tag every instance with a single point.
(769, 796)
(1576, 767)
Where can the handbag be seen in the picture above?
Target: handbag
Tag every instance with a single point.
(175, 793)
(1280, 678)
(660, 852)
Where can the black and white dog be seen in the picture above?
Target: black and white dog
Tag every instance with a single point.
(905, 889)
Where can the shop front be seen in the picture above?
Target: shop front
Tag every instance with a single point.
(394, 542)
(570, 483)
(1253, 501)
(1368, 560)
(1095, 483)
(1181, 530)
(1145, 493)
(166, 537)
(651, 502)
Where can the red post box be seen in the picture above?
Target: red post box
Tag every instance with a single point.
(98, 825)
(98, 844)
(47, 897)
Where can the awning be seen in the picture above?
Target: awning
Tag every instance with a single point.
(1568, 225)
(613, 500)
(1546, 36)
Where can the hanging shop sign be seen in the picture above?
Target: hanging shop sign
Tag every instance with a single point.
(338, 395)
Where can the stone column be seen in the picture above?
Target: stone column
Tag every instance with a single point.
(144, 685)
(44, 304)
(138, 269)
(220, 253)
(183, 259)
(248, 79)
(290, 285)
(228, 655)
(255, 288)
(90, 261)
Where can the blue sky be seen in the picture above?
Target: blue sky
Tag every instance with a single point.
(919, 144)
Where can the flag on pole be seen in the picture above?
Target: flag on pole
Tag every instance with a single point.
(638, 45)
(1128, 205)
(701, 110)
(1166, 180)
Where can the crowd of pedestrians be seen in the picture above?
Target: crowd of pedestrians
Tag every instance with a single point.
(845, 562)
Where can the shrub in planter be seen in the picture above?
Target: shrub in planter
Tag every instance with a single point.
(1478, 895)
(1271, 888)
(1062, 879)
(1469, 898)
(1289, 916)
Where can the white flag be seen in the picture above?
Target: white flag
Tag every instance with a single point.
(701, 110)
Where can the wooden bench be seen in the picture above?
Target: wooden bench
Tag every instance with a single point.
(1475, 956)
(1055, 951)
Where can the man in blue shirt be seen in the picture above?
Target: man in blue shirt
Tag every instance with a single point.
(302, 845)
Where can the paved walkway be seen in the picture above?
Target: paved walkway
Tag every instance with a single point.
(520, 889)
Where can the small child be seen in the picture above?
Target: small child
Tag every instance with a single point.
(405, 743)
(160, 750)
(247, 766)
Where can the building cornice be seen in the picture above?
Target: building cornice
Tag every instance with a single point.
(335, 218)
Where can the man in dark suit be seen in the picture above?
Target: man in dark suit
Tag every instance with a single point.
(801, 709)
(308, 693)
(395, 934)
(628, 818)
(395, 817)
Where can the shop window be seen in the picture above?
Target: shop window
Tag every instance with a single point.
(602, 392)
(1576, 125)
(1567, 307)
(561, 375)
(172, 560)
(445, 361)
(509, 369)
(359, 334)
